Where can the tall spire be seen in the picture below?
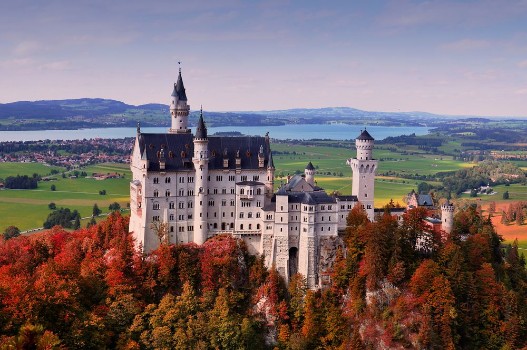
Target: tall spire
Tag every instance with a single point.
(179, 88)
(201, 130)
(270, 165)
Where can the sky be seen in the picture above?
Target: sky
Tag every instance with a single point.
(439, 56)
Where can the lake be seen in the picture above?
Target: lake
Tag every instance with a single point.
(282, 132)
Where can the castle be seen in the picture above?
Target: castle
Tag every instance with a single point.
(189, 187)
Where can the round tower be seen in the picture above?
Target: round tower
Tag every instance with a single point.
(447, 217)
(179, 109)
(310, 174)
(364, 168)
(201, 166)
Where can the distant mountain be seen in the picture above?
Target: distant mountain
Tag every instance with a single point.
(98, 112)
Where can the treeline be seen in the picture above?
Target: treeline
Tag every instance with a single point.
(91, 289)
(21, 182)
(108, 146)
(412, 139)
(63, 217)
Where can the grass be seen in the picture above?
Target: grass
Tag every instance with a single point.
(14, 169)
(28, 209)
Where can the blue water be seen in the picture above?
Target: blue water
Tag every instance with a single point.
(300, 131)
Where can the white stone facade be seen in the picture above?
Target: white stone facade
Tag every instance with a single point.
(188, 188)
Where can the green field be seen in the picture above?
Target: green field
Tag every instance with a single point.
(28, 209)
(517, 192)
(14, 169)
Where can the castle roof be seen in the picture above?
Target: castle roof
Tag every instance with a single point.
(424, 200)
(351, 198)
(310, 198)
(271, 162)
(201, 130)
(179, 148)
(179, 89)
(365, 136)
(310, 166)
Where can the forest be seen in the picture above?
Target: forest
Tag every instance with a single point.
(91, 289)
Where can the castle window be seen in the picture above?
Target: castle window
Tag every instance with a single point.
(258, 191)
(241, 215)
(244, 177)
(258, 215)
(171, 217)
(167, 180)
(181, 192)
(156, 180)
(171, 228)
(365, 195)
(249, 215)
(232, 178)
(257, 226)
(215, 225)
(215, 191)
(250, 226)
(232, 203)
(181, 205)
(242, 191)
(223, 191)
(322, 229)
(156, 193)
(190, 204)
(167, 193)
(171, 205)
(211, 203)
(329, 207)
(256, 178)
(219, 178)
(181, 180)
(190, 179)
(190, 228)
(156, 206)
(189, 216)
(233, 191)
(155, 218)
(223, 202)
(241, 226)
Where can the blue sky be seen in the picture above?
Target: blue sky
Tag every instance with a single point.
(439, 56)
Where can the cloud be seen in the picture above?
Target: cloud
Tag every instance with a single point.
(521, 92)
(522, 64)
(17, 63)
(56, 65)
(466, 44)
(26, 47)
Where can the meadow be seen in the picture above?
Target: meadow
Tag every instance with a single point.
(28, 209)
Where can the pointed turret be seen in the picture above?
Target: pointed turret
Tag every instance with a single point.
(270, 165)
(179, 89)
(309, 173)
(201, 130)
(179, 109)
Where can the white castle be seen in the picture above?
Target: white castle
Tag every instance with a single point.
(187, 188)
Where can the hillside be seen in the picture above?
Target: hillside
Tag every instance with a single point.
(98, 112)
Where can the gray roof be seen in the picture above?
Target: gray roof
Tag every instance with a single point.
(348, 198)
(271, 163)
(311, 198)
(179, 89)
(250, 183)
(310, 166)
(365, 136)
(201, 129)
(179, 149)
(425, 200)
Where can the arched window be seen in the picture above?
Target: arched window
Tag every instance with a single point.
(241, 226)
(156, 206)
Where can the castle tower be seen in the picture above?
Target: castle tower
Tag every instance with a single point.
(269, 183)
(310, 174)
(201, 165)
(179, 109)
(447, 217)
(364, 167)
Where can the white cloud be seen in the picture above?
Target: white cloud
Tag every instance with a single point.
(26, 48)
(56, 65)
(522, 64)
(521, 92)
